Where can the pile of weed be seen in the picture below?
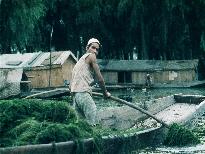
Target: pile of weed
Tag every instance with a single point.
(23, 134)
(13, 111)
(36, 121)
(180, 136)
(124, 142)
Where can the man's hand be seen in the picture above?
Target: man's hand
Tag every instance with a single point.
(107, 94)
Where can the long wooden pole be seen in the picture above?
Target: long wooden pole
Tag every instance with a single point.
(121, 101)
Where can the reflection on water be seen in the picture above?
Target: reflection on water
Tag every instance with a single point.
(140, 96)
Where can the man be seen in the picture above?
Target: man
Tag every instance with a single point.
(82, 79)
(148, 81)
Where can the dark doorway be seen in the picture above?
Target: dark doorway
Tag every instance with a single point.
(24, 85)
(200, 69)
(124, 77)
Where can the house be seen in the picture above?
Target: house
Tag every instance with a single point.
(42, 69)
(160, 72)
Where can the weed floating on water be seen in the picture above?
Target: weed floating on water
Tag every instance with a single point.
(180, 136)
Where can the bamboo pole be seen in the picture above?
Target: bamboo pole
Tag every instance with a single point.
(121, 101)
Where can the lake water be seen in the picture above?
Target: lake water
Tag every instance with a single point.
(138, 96)
(141, 95)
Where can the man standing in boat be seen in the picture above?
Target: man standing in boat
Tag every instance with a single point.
(83, 78)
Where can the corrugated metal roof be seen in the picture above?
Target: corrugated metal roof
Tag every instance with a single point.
(8, 59)
(39, 60)
(34, 59)
(146, 65)
(64, 55)
(53, 58)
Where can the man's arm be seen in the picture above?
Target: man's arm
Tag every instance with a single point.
(93, 63)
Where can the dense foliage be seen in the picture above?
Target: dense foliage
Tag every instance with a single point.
(26, 122)
(159, 29)
(180, 136)
(39, 121)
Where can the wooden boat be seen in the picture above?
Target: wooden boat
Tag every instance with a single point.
(183, 109)
(175, 108)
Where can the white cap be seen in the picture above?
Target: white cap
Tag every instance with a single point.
(93, 40)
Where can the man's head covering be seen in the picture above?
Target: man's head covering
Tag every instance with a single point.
(93, 40)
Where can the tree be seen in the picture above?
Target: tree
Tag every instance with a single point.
(18, 19)
(162, 29)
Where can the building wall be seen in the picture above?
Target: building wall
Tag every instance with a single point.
(60, 75)
(157, 76)
(174, 76)
(67, 69)
(110, 77)
(39, 77)
(171, 76)
(138, 77)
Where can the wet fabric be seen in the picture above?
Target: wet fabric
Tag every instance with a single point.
(85, 107)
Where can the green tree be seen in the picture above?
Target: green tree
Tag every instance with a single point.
(18, 19)
(161, 29)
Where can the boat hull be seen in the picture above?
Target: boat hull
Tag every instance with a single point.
(109, 145)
